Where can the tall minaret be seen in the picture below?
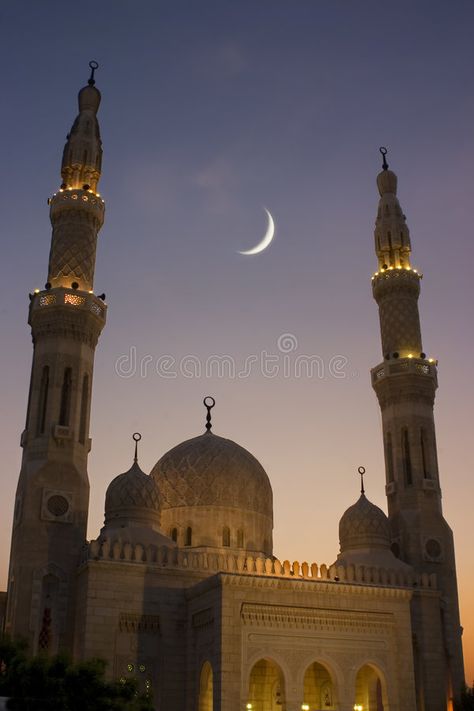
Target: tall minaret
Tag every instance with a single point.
(405, 384)
(66, 318)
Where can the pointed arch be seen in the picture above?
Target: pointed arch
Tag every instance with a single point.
(42, 401)
(389, 456)
(371, 689)
(84, 409)
(319, 690)
(188, 538)
(66, 390)
(226, 536)
(266, 688)
(206, 688)
(406, 457)
(424, 455)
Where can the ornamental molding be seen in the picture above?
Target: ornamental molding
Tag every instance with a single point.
(134, 623)
(64, 322)
(322, 620)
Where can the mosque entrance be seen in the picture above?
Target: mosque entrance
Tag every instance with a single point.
(318, 688)
(370, 690)
(266, 687)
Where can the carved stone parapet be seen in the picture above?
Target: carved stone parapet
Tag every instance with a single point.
(67, 313)
(405, 379)
(258, 569)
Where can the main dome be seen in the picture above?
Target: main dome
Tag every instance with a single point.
(212, 471)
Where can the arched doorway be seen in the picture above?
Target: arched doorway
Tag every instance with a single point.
(318, 688)
(206, 688)
(266, 687)
(370, 690)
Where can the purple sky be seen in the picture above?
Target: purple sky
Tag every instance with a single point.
(210, 111)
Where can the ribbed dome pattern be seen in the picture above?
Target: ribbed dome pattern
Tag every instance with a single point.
(364, 525)
(133, 491)
(213, 471)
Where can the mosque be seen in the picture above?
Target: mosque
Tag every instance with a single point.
(181, 588)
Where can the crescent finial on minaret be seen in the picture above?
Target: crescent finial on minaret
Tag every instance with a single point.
(93, 66)
(384, 152)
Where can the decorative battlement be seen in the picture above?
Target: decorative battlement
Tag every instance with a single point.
(210, 563)
(402, 366)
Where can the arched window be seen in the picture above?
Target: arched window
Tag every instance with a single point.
(240, 538)
(406, 458)
(226, 536)
(84, 407)
(174, 535)
(424, 455)
(43, 401)
(206, 688)
(389, 456)
(189, 536)
(47, 621)
(65, 398)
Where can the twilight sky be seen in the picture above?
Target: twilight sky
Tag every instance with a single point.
(211, 110)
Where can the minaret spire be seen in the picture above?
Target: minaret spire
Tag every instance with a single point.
(392, 237)
(77, 210)
(82, 155)
(396, 286)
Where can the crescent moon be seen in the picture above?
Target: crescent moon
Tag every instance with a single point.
(269, 234)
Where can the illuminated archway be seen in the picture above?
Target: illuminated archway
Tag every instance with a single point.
(370, 690)
(318, 688)
(266, 687)
(206, 688)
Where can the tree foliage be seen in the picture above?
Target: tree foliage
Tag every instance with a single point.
(56, 683)
(466, 700)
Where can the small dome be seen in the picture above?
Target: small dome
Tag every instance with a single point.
(364, 525)
(387, 182)
(89, 99)
(213, 471)
(132, 496)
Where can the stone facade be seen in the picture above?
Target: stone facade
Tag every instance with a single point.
(181, 589)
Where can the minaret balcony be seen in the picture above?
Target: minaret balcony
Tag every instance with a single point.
(395, 367)
(394, 279)
(70, 298)
(77, 199)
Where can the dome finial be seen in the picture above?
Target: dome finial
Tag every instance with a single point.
(136, 438)
(93, 66)
(361, 471)
(209, 403)
(384, 152)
